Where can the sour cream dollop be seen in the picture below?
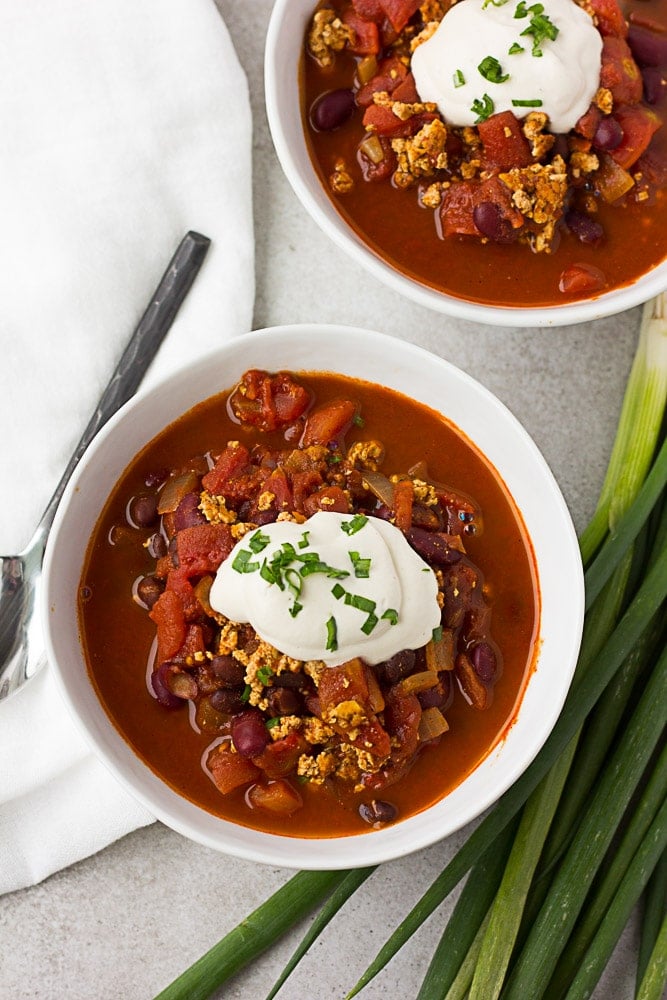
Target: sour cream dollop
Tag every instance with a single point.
(335, 587)
(561, 81)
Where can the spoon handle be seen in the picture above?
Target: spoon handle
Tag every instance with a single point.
(138, 354)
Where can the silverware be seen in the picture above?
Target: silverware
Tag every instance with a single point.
(21, 640)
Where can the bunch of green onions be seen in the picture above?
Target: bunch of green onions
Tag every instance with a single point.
(555, 869)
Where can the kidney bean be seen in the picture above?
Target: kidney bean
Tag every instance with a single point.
(586, 230)
(438, 696)
(149, 589)
(432, 546)
(249, 734)
(142, 511)
(581, 279)
(378, 811)
(283, 701)
(332, 110)
(398, 666)
(654, 84)
(608, 135)
(156, 477)
(483, 658)
(229, 671)
(172, 686)
(188, 514)
(648, 48)
(490, 222)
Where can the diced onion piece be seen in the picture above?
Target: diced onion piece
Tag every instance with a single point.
(381, 487)
(202, 590)
(367, 69)
(174, 491)
(611, 180)
(372, 148)
(440, 653)
(432, 724)
(419, 682)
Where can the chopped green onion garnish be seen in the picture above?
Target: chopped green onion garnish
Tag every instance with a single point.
(492, 71)
(321, 567)
(246, 693)
(360, 603)
(334, 459)
(527, 104)
(272, 723)
(267, 573)
(303, 544)
(391, 615)
(294, 610)
(355, 525)
(258, 541)
(242, 562)
(483, 109)
(437, 633)
(541, 27)
(337, 591)
(369, 624)
(459, 79)
(332, 635)
(264, 674)
(494, 3)
(514, 49)
(362, 567)
(358, 420)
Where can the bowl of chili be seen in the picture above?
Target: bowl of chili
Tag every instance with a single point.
(501, 221)
(245, 738)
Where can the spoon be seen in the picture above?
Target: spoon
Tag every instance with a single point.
(22, 650)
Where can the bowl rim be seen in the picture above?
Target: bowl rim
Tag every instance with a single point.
(69, 538)
(311, 195)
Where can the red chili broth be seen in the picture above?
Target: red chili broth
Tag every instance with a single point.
(117, 634)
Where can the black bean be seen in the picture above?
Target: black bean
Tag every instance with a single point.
(188, 514)
(171, 682)
(291, 679)
(157, 546)
(654, 84)
(648, 48)
(608, 134)
(229, 671)
(332, 110)
(249, 734)
(398, 666)
(378, 811)
(156, 477)
(283, 701)
(227, 700)
(432, 546)
(483, 659)
(149, 589)
(142, 511)
(586, 230)
(490, 222)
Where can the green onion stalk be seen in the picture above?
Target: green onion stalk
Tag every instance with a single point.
(591, 801)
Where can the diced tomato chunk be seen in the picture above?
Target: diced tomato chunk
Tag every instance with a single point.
(329, 423)
(619, 72)
(505, 145)
(399, 12)
(407, 91)
(169, 618)
(391, 73)
(639, 125)
(384, 122)
(276, 797)
(609, 17)
(370, 10)
(403, 500)
(366, 35)
(281, 757)
(230, 770)
(268, 401)
(232, 463)
(202, 548)
(402, 715)
(179, 583)
(303, 484)
(589, 121)
(581, 279)
(328, 498)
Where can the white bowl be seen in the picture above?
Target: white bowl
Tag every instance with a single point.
(408, 369)
(283, 55)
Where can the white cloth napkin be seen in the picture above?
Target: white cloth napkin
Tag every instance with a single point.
(122, 126)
